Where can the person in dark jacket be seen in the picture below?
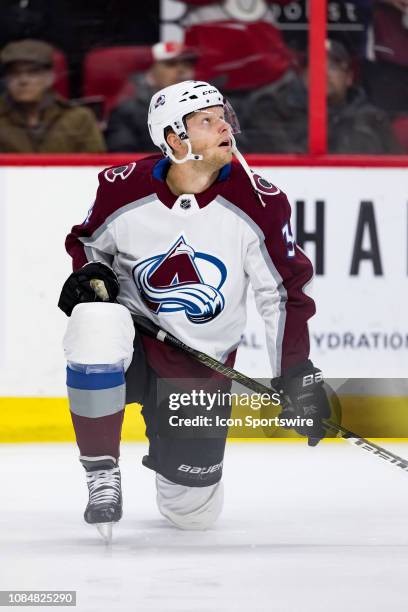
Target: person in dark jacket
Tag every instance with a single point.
(277, 117)
(127, 127)
(385, 73)
(33, 119)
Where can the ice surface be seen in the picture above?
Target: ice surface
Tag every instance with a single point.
(303, 529)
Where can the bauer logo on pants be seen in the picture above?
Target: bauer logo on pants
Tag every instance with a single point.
(182, 279)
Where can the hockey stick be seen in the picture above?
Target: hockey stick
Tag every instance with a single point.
(149, 328)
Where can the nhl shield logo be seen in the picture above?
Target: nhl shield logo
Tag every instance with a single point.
(182, 280)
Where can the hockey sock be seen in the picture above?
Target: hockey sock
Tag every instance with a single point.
(97, 401)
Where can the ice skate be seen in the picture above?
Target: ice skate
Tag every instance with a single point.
(105, 495)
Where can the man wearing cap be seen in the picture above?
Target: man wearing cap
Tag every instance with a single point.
(173, 63)
(33, 119)
(278, 114)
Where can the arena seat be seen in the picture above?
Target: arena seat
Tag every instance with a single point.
(106, 72)
(61, 84)
(400, 129)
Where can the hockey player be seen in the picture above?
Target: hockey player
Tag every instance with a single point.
(177, 238)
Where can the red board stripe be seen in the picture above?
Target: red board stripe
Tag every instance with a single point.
(254, 160)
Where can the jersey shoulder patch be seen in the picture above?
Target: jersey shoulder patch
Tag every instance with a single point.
(264, 186)
(119, 172)
(257, 182)
(121, 176)
(266, 204)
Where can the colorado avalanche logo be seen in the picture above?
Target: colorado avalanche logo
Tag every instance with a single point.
(174, 281)
(160, 101)
(123, 171)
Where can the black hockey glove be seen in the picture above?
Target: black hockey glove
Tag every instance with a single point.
(77, 288)
(306, 397)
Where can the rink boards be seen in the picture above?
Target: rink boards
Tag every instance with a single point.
(352, 222)
(47, 420)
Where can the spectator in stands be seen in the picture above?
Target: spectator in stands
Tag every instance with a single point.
(277, 118)
(33, 119)
(127, 127)
(75, 26)
(385, 73)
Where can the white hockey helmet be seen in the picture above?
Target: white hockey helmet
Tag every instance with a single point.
(169, 107)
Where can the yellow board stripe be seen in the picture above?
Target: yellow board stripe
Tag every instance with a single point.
(47, 419)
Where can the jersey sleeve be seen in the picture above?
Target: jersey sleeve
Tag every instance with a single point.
(279, 272)
(93, 240)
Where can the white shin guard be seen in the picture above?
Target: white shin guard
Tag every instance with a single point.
(189, 507)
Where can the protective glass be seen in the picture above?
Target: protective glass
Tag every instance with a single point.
(231, 117)
(210, 118)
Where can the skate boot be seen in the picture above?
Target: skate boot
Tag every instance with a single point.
(105, 495)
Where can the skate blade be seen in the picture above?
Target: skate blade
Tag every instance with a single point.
(105, 529)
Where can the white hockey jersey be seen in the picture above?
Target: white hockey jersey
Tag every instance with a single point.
(185, 262)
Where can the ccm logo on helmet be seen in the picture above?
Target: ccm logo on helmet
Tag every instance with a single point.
(210, 91)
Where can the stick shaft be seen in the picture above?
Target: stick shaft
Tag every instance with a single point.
(151, 329)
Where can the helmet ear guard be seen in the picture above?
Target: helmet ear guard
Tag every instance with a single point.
(180, 131)
(188, 156)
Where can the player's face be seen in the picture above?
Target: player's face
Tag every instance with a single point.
(210, 135)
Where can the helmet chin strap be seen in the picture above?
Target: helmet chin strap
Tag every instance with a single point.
(249, 172)
(188, 156)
